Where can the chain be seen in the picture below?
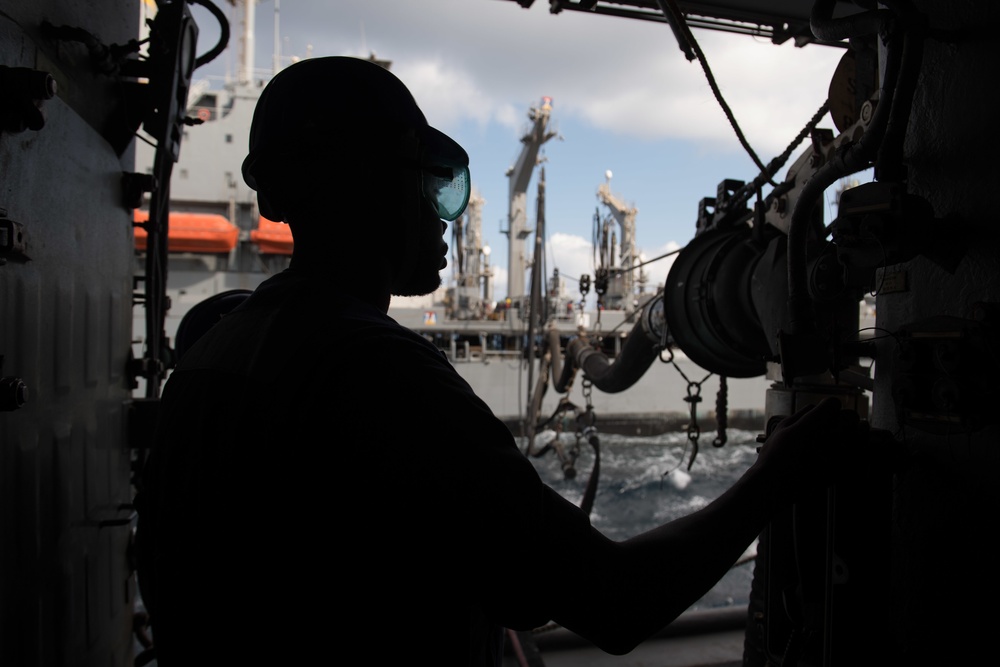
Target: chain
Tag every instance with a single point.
(664, 346)
(721, 410)
(693, 398)
(693, 430)
(586, 423)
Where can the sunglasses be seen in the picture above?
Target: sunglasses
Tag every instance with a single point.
(446, 187)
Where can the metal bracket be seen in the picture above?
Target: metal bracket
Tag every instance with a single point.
(13, 240)
(13, 392)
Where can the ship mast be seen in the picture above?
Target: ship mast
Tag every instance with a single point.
(473, 289)
(621, 290)
(245, 72)
(277, 38)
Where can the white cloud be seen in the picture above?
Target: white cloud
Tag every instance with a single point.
(623, 86)
(656, 271)
(487, 61)
(573, 256)
(434, 85)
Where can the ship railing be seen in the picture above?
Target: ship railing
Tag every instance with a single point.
(198, 88)
(464, 351)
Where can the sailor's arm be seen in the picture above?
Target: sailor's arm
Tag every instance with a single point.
(643, 583)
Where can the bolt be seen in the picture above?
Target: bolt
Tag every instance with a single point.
(866, 112)
(780, 206)
(13, 393)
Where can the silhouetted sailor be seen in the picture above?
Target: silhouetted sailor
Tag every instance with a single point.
(323, 483)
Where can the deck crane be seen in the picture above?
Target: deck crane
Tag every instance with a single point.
(519, 176)
(616, 281)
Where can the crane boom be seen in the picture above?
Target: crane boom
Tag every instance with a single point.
(520, 175)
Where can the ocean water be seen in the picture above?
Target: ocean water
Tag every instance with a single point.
(643, 482)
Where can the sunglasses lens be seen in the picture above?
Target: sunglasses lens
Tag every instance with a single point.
(447, 187)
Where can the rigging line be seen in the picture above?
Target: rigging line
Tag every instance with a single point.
(630, 317)
(142, 138)
(655, 259)
(674, 15)
(775, 164)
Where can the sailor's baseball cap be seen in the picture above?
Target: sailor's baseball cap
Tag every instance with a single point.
(316, 106)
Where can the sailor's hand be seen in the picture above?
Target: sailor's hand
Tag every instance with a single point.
(812, 448)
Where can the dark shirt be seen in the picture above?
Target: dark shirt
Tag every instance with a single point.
(324, 483)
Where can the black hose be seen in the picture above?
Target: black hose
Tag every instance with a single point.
(564, 379)
(223, 42)
(889, 163)
(637, 354)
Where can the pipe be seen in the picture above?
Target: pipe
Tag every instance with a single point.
(638, 353)
(889, 163)
(555, 350)
(857, 157)
(825, 27)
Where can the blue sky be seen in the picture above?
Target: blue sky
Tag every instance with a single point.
(625, 100)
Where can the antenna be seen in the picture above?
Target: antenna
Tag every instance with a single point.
(277, 38)
(246, 61)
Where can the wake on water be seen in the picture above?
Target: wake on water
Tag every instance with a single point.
(645, 481)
